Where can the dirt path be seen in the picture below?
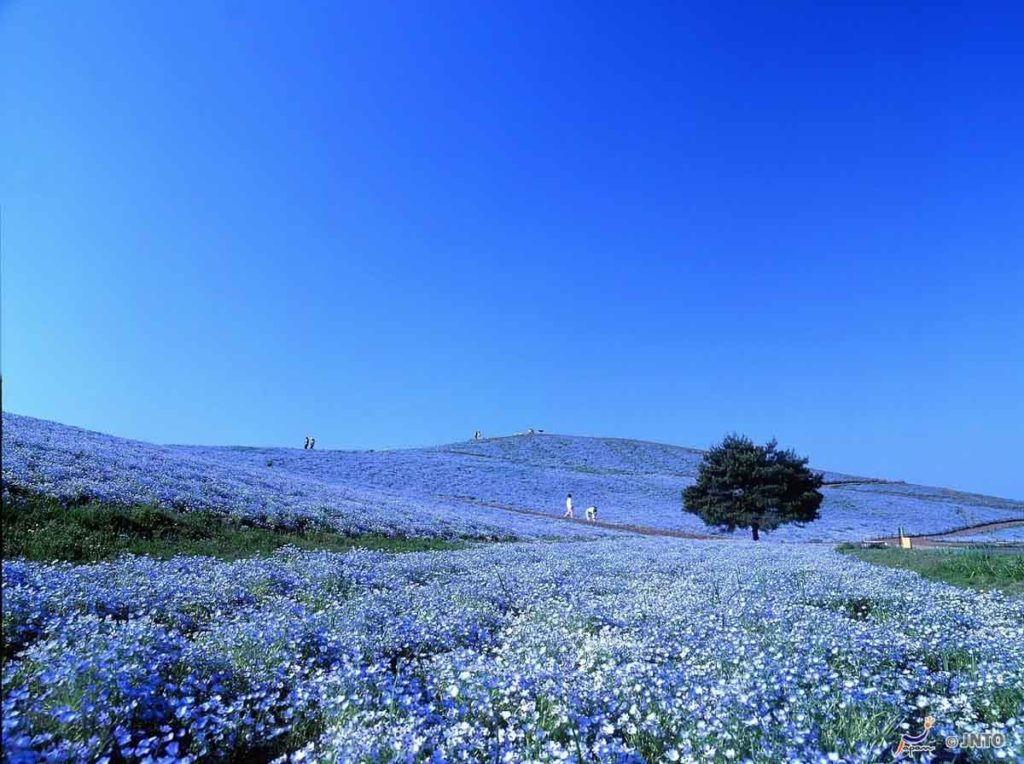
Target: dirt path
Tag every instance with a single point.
(643, 530)
(925, 540)
(937, 540)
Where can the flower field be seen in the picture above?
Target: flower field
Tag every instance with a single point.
(70, 463)
(617, 650)
(414, 491)
(1011, 535)
(623, 649)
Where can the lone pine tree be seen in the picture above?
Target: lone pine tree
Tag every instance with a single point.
(744, 485)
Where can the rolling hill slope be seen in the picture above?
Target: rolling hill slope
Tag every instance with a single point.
(428, 491)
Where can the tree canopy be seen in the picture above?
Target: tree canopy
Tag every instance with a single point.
(745, 485)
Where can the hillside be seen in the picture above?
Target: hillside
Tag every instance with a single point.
(623, 648)
(253, 485)
(428, 491)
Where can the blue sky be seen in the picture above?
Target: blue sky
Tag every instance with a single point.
(394, 224)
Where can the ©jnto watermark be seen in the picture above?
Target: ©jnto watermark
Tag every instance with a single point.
(910, 745)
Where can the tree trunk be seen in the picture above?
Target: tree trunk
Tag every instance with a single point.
(754, 531)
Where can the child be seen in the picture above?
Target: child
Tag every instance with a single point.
(568, 507)
(592, 514)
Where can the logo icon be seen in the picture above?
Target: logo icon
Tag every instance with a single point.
(911, 744)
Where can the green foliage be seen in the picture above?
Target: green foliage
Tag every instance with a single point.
(967, 568)
(42, 528)
(744, 485)
(844, 729)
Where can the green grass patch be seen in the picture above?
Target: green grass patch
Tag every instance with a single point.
(45, 529)
(955, 659)
(843, 728)
(967, 568)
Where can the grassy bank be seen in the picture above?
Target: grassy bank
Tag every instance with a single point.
(967, 568)
(41, 528)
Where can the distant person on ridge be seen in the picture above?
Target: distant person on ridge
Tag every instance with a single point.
(312, 443)
(568, 507)
(307, 442)
(592, 513)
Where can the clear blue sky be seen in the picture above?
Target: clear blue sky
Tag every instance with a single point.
(393, 224)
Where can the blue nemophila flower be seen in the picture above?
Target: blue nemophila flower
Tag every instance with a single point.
(639, 650)
(411, 492)
(626, 650)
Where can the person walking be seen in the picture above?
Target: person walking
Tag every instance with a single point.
(568, 507)
(312, 443)
(307, 442)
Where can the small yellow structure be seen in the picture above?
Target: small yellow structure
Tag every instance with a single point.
(904, 540)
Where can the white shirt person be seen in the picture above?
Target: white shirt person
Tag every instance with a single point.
(568, 506)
